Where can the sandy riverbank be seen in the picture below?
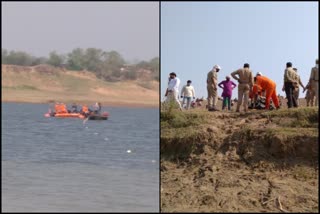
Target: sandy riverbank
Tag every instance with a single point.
(45, 84)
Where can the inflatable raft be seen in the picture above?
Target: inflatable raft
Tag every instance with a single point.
(67, 115)
(77, 115)
(103, 116)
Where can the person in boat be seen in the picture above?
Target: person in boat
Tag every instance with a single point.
(56, 107)
(64, 108)
(97, 108)
(60, 108)
(85, 110)
(51, 112)
(74, 108)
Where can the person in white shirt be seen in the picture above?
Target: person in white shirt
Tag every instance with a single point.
(187, 93)
(172, 92)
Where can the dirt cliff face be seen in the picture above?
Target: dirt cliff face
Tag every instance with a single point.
(230, 162)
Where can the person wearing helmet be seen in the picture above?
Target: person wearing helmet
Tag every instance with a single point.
(245, 80)
(228, 86)
(270, 87)
(257, 89)
(212, 83)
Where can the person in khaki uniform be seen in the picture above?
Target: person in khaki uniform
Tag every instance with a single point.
(245, 80)
(297, 85)
(309, 95)
(314, 80)
(288, 86)
(212, 87)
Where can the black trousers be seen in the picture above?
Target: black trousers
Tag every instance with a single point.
(288, 87)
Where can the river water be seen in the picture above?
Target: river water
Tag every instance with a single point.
(65, 165)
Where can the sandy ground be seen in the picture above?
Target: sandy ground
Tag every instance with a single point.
(44, 84)
(220, 184)
(237, 166)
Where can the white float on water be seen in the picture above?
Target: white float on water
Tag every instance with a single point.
(129, 151)
(153, 161)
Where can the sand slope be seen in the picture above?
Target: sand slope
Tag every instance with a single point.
(43, 83)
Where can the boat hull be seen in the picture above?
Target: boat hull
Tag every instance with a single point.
(69, 115)
(97, 117)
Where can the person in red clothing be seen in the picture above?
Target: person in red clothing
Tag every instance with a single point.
(270, 87)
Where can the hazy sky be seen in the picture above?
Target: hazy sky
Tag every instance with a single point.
(197, 35)
(131, 28)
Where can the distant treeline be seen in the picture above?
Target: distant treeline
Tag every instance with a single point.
(109, 66)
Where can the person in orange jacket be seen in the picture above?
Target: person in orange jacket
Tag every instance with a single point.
(57, 107)
(85, 110)
(64, 108)
(254, 94)
(60, 108)
(270, 87)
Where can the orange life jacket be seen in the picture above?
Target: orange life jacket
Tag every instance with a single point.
(85, 109)
(61, 108)
(64, 108)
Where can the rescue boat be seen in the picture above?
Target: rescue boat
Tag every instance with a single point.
(92, 116)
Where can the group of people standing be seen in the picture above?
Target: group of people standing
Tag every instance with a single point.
(292, 82)
(172, 92)
(248, 86)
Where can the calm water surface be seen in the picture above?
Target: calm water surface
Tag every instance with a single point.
(54, 164)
